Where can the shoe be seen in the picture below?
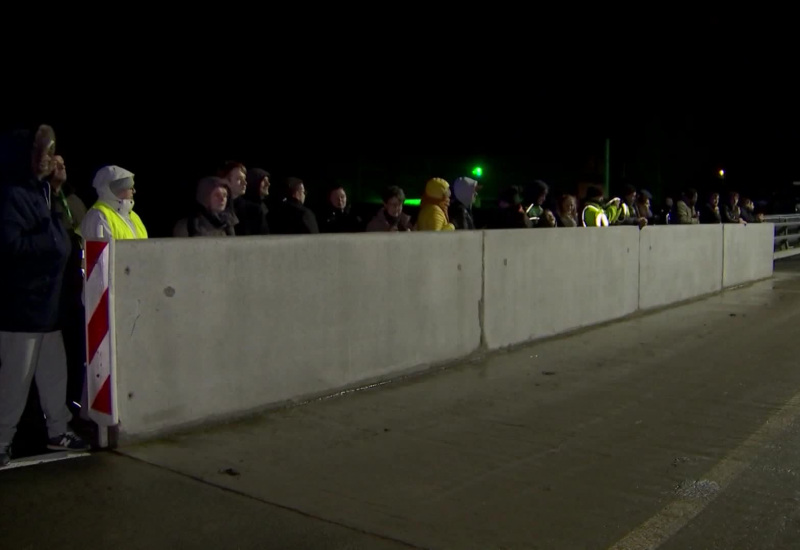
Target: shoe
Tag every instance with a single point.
(67, 442)
(5, 456)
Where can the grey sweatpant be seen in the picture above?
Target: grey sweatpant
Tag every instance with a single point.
(24, 356)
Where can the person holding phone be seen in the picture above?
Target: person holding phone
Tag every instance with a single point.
(391, 217)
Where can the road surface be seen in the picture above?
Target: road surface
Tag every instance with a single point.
(675, 430)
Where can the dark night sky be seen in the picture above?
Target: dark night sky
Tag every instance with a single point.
(678, 99)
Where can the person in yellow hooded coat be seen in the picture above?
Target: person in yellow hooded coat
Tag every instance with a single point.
(433, 207)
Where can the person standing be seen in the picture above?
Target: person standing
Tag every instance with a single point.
(213, 215)
(433, 212)
(112, 216)
(391, 216)
(337, 217)
(293, 217)
(72, 211)
(36, 247)
(251, 208)
(465, 191)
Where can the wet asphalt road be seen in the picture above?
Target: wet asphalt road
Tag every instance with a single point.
(674, 430)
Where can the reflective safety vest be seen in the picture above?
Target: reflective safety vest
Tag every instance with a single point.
(120, 229)
(594, 216)
(625, 213)
(616, 214)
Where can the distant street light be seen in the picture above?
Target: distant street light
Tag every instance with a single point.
(722, 174)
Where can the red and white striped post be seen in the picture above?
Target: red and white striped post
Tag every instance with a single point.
(100, 345)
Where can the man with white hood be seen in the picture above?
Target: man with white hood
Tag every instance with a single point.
(112, 216)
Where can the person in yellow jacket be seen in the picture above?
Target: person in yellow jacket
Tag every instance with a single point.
(112, 216)
(434, 205)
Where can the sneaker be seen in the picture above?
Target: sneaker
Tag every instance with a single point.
(67, 442)
(5, 456)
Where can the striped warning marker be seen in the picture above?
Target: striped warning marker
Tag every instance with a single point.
(99, 334)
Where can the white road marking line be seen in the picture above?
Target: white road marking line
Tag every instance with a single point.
(677, 514)
(42, 459)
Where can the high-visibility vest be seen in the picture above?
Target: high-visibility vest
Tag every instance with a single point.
(120, 229)
(594, 216)
(624, 213)
(616, 214)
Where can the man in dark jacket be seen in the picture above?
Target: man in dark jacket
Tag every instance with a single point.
(465, 191)
(535, 198)
(337, 216)
(235, 173)
(251, 208)
(710, 212)
(71, 211)
(292, 217)
(35, 247)
(629, 199)
(509, 213)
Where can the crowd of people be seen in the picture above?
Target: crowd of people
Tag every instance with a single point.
(43, 225)
(238, 201)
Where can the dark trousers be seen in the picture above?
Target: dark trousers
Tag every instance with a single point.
(74, 331)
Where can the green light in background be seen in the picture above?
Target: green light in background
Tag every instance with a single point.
(412, 202)
(477, 171)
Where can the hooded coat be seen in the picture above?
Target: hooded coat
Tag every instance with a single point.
(433, 210)
(461, 206)
(96, 224)
(204, 222)
(34, 243)
(251, 208)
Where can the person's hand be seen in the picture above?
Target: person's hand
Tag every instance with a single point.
(393, 229)
(642, 222)
(59, 175)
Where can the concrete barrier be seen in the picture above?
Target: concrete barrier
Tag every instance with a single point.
(544, 282)
(748, 253)
(679, 262)
(209, 328)
(214, 328)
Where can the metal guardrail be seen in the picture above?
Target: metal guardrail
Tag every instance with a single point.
(787, 235)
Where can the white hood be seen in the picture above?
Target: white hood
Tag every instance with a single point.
(102, 184)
